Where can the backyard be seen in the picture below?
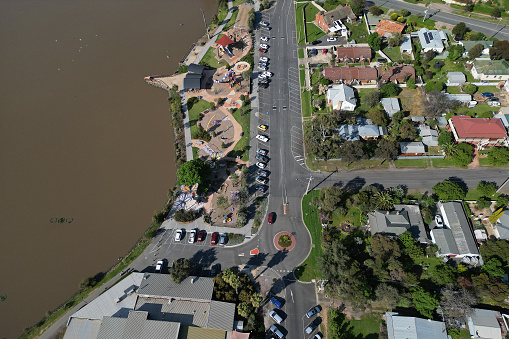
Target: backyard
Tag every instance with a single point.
(358, 32)
(313, 32)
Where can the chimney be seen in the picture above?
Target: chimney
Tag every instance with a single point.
(387, 212)
(397, 213)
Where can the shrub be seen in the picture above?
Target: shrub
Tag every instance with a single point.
(401, 19)
(191, 102)
(394, 16)
(469, 88)
(235, 239)
(411, 83)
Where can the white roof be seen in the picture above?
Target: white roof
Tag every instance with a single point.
(406, 45)
(484, 324)
(399, 327)
(459, 97)
(391, 105)
(430, 39)
(340, 93)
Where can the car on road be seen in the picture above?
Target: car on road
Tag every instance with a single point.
(262, 151)
(224, 239)
(267, 28)
(263, 68)
(159, 265)
(261, 158)
(439, 221)
(262, 173)
(316, 42)
(192, 237)
(270, 219)
(267, 74)
(313, 311)
(262, 137)
(215, 270)
(178, 235)
(264, 23)
(264, 59)
(261, 188)
(311, 327)
(214, 238)
(276, 302)
(261, 165)
(488, 95)
(264, 38)
(262, 180)
(263, 50)
(331, 39)
(263, 127)
(264, 46)
(201, 235)
(277, 332)
(275, 316)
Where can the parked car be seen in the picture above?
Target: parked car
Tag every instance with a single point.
(263, 68)
(488, 95)
(262, 138)
(159, 265)
(201, 235)
(213, 238)
(261, 158)
(332, 39)
(264, 23)
(264, 38)
(262, 173)
(262, 180)
(318, 336)
(261, 165)
(324, 51)
(262, 151)
(276, 302)
(263, 127)
(264, 46)
(263, 85)
(438, 220)
(275, 316)
(314, 51)
(313, 311)
(267, 28)
(270, 219)
(261, 188)
(316, 42)
(276, 332)
(267, 74)
(215, 270)
(263, 50)
(493, 103)
(178, 235)
(192, 237)
(224, 239)
(311, 327)
(264, 59)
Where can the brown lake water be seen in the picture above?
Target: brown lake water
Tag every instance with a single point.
(82, 136)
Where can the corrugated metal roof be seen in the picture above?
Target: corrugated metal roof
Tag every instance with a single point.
(82, 328)
(456, 77)
(485, 323)
(444, 241)
(194, 68)
(221, 315)
(161, 285)
(434, 43)
(391, 105)
(399, 327)
(412, 147)
(454, 216)
(189, 313)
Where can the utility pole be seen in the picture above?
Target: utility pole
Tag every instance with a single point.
(205, 23)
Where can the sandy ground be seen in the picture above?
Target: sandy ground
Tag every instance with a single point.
(173, 80)
(243, 14)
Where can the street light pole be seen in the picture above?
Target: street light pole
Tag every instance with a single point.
(205, 23)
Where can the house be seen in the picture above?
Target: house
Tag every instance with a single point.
(326, 20)
(397, 73)
(400, 327)
(351, 74)
(363, 129)
(490, 70)
(151, 305)
(391, 105)
(403, 218)
(456, 78)
(341, 97)
(486, 324)
(501, 226)
(442, 122)
(354, 54)
(486, 131)
(192, 80)
(389, 27)
(431, 40)
(418, 119)
(462, 98)
(429, 136)
(468, 45)
(456, 238)
(406, 45)
(412, 149)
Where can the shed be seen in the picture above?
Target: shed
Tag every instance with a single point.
(406, 45)
(391, 105)
(456, 78)
(484, 324)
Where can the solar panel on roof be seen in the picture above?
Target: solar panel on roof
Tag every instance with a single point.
(430, 35)
(426, 38)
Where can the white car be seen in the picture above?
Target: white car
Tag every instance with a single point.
(264, 23)
(159, 265)
(178, 235)
(264, 38)
(261, 165)
(192, 237)
(263, 68)
(267, 74)
(332, 39)
(438, 220)
(264, 59)
(262, 138)
(264, 46)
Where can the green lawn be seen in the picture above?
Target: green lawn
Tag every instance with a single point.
(449, 66)
(306, 104)
(445, 162)
(210, 59)
(310, 12)
(359, 32)
(195, 153)
(353, 216)
(199, 107)
(411, 162)
(299, 14)
(231, 23)
(361, 93)
(302, 77)
(242, 147)
(453, 89)
(481, 17)
(420, 22)
(309, 268)
(479, 111)
(313, 32)
(300, 53)
(394, 53)
(473, 194)
(315, 76)
(368, 327)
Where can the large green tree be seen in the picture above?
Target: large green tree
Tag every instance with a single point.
(425, 302)
(463, 155)
(374, 41)
(181, 269)
(498, 156)
(192, 172)
(500, 50)
(475, 51)
(448, 190)
(351, 151)
(460, 30)
(387, 149)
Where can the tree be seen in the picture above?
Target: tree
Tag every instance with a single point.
(384, 200)
(87, 282)
(475, 51)
(232, 279)
(496, 12)
(411, 83)
(396, 40)
(456, 305)
(404, 12)
(372, 99)
(498, 156)
(429, 55)
(222, 201)
(194, 172)
(256, 299)
(500, 50)
(351, 151)
(486, 189)
(244, 309)
(387, 296)
(374, 41)
(435, 103)
(448, 190)
(460, 30)
(455, 52)
(401, 19)
(394, 16)
(434, 86)
(469, 88)
(490, 287)
(502, 201)
(389, 90)
(425, 302)
(378, 117)
(181, 269)
(463, 155)
(357, 6)
(375, 10)
(384, 248)
(191, 101)
(329, 199)
(442, 274)
(387, 149)
(410, 247)
(444, 138)
(494, 268)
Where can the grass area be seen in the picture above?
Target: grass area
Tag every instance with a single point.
(353, 216)
(492, 89)
(310, 12)
(479, 111)
(481, 17)
(195, 153)
(315, 76)
(309, 268)
(394, 53)
(445, 162)
(453, 90)
(306, 103)
(313, 32)
(231, 23)
(420, 22)
(243, 116)
(368, 327)
(302, 77)
(359, 32)
(300, 53)
(449, 66)
(473, 194)
(360, 99)
(199, 107)
(299, 22)
(331, 165)
(411, 162)
(210, 59)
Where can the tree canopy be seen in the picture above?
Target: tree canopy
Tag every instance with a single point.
(460, 30)
(192, 172)
(448, 190)
(498, 156)
(374, 41)
(500, 50)
(475, 51)
(181, 269)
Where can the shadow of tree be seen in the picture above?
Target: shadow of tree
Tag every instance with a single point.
(355, 184)
(204, 258)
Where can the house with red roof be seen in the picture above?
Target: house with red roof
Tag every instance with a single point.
(389, 27)
(351, 74)
(399, 73)
(485, 131)
(326, 21)
(354, 54)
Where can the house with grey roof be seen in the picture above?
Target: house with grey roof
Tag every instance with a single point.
(430, 40)
(391, 105)
(341, 97)
(414, 148)
(137, 326)
(486, 324)
(456, 78)
(400, 327)
(193, 78)
(501, 226)
(456, 239)
(429, 135)
(468, 45)
(363, 129)
(403, 218)
(503, 115)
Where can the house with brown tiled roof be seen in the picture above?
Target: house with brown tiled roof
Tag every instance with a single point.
(354, 54)
(326, 20)
(389, 27)
(349, 74)
(489, 132)
(397, 73)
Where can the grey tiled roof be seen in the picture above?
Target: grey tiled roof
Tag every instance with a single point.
(82, 328)
(404, 218)
(399, 327)
(161, 285)
(221, 315)
(137, 326)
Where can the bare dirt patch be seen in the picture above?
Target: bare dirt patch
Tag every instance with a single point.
(412, 101)
(243, 14)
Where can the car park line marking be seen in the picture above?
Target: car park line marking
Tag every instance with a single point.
(241, 254)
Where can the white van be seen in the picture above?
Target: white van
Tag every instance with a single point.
(276, 317)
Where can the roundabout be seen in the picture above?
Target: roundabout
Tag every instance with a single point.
(284, 241)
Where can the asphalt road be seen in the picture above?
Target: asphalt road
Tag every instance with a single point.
(498, 31)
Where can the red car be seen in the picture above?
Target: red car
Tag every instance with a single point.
(214, 238)
(271, 218)
(201, 235)
(263, 50)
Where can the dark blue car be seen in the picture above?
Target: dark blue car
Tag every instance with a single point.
(488, 95)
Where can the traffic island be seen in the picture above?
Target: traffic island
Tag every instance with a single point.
(284, 241)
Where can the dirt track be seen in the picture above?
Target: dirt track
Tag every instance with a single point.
(243, 14)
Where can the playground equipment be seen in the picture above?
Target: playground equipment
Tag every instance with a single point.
(226, 219)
